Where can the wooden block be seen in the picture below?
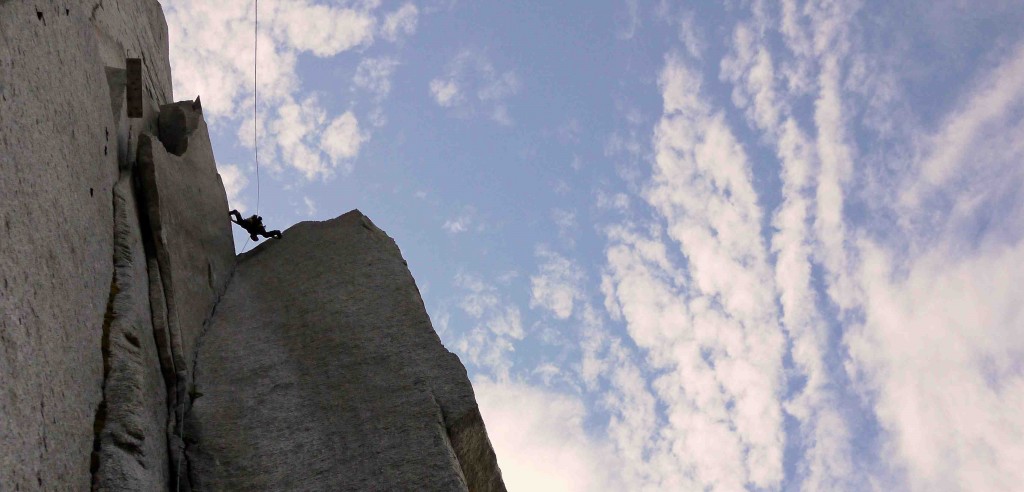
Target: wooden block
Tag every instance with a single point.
(134, 87)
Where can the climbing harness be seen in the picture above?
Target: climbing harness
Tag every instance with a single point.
(253, 225)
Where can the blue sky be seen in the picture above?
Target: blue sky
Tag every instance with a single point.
(679, 246)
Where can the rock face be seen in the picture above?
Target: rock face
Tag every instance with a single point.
(63, 141)
(321, 371)
(190, 240)
(137, 353)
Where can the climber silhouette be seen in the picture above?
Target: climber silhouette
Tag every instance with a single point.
(253, 225)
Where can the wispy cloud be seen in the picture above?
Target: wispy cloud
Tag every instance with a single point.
(446, 93)
(924, 313)
(215, 41)
(400, 23)
(540, 440)
(557, 284)
(565, 221)
(310, 206)
(374, 75)
(341, 139)
(496, 326)
(457, 224)
(628, 21)
(709, 328)
(234, 182)
(978, 140)
(471, 84)
(758, 91)
(940, 341)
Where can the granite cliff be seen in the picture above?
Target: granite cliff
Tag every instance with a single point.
(137, 352)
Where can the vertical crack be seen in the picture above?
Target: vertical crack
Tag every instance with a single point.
(100, 420)
(193, 393)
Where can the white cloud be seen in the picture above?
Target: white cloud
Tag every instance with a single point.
(718, 378)
(605, 200)
(932, 345)
(827, 455)
(497, 326)
(374, 75)
(457, 224)
(941, 348)
(557, 285)
(341, 139)
(234, 182)
(212, 54)
(979, 139)
(984, 117)
(400, 23)
(540, 440)
(446, 92)
(565, 220)
(319, 29)
(293, 127)
(692, 35)
(304, 138)
(570, 132)
(709, 330)
(472, 74)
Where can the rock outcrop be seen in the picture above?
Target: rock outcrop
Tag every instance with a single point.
(326, 326)
(138, 353)
(65, 294)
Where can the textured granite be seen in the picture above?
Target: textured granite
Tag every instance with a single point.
(115, 248)
(190, 237)
(131, 451)
(188, 224)
(321, 371)
(62, 140)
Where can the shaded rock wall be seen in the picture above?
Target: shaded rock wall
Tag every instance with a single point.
(321, 371)
(115, 252)
(190, 242)
(63, 140)
(130, 447)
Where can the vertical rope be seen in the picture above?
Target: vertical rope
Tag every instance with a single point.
(256, 148)
(255, 103)
(255, 107)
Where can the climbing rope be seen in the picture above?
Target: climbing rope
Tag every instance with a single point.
(255, 110)
(256, 147)
(255, 102)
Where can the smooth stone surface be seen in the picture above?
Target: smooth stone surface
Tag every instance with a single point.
(321, 371)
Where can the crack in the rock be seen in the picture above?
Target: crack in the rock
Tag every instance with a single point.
(163, 332)
(193, 392)
(100, 419)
